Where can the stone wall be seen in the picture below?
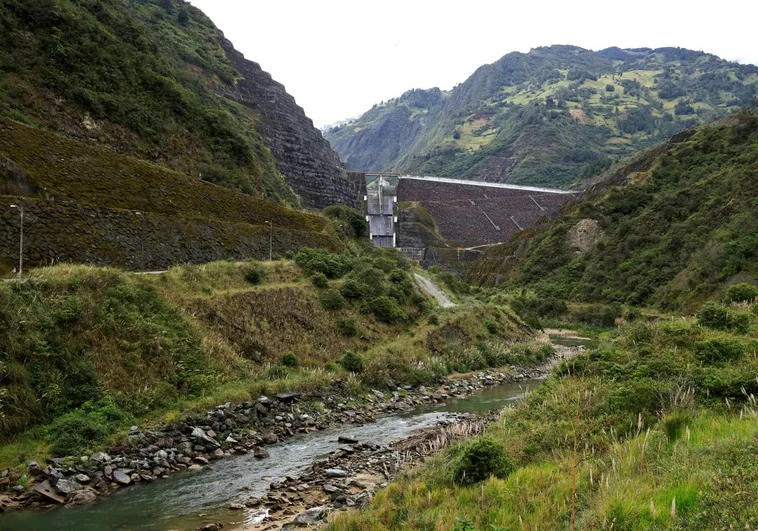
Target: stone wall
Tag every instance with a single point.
(306, 159)
(62, 231)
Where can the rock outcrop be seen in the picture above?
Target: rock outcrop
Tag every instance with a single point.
(306, 159)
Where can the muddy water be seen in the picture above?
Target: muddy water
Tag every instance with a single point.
(181, 501)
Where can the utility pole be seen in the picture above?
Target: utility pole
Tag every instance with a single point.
(271, 242)
(142, 240)
(20, 208)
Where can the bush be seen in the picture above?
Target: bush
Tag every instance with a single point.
(347, 327)
(76, 431)
(386, 310)
(718, 350)
(277, 372)
(385, 264)
(718, 317)
(491, 327)
(433, 320)
(741, 293)
(597, 315)
(352, 362)
(550, 307)
(352, 289)
(254, 275)
(350, 222)
(290, 360)
(481, 459)
(332, 300)
(632, 314)
(318, 260)
(319, 280)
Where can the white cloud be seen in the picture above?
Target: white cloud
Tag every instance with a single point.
(339, 57)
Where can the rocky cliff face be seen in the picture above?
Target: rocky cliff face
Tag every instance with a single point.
(306, 159)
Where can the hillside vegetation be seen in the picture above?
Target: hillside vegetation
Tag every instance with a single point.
(654, 429)
(87, 352)
(135, 75)
(553, 117)
(671, 229)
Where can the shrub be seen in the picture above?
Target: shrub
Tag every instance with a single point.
(332, 300)
(385, 264)
(290, 360)
(433, 320)
(718, 350)
(550, 307)
(632, 314)
(390, 369)
(319, 280)
(254, 275)
(78, 430)
(352, 362)
(481, 459)
(352, 289)
(350, 222)
(741, 293)
(318, 260)
(718, 317)
(347, 327)
(492, 328)
(597, 315)
(386, 310)
(277, 372)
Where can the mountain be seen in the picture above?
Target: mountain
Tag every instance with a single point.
(550, 117)
(155, 79)
(670, 229)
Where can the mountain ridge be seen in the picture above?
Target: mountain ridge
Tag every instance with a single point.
(552, 117)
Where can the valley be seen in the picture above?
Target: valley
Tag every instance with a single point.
(527, 302)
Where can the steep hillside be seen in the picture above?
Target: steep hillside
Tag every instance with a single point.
(551, 117)
(157, 80)
(88, 204)
(91, 350)
(671, 228)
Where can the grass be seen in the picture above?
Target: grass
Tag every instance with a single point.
(95, 350)
(680, 458)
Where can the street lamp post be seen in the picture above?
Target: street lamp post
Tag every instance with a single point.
(20, 208)
(271, 241)
(142, 240)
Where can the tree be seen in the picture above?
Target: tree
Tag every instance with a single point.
(183, 17)
(456, 134)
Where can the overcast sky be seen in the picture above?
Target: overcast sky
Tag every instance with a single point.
(339, 57)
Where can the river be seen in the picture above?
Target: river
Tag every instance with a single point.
(181, 501)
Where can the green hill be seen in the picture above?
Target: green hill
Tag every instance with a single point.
(553, 116)
(671, 228)
(157, 80)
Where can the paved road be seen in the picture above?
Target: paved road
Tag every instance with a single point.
(431, 288)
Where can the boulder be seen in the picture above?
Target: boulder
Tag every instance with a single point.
(310, 516)
(260, 453)
(67, 486)
(82, 496)
(335, 473)
(121, 477)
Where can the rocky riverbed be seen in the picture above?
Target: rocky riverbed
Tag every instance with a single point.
(231, 429)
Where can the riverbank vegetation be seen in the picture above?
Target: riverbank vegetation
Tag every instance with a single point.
(88, 352)
(655, 428)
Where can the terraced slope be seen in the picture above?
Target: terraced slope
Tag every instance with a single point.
(89, 204)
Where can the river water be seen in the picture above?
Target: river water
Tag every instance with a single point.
(181, 501)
